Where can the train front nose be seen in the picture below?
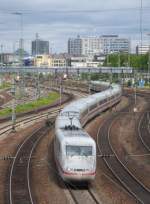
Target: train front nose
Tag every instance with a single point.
(79, 168)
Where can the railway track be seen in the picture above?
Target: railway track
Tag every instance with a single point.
(79, 196)
(79, 193)
(21, 122)
(19, 176)
(20, 179)
(76, 193)
(69, 96)
(144, 130)
(119, 170)
(54, 110)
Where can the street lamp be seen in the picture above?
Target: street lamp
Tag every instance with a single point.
(22, 86)
(21, 34)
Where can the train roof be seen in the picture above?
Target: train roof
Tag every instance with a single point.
(73, 137)
(81, 104)
(101, 83)
(63, 121)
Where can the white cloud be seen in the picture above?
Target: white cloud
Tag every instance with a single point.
(110, 17)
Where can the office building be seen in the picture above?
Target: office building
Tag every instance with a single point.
(50, 61)
(114, 44)
(86, 46)
(40, 47)
(75, 46)
(142, 49)
(90, 46)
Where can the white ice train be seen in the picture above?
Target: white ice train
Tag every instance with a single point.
(74, 149)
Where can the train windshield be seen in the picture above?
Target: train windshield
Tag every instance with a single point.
(78, 150)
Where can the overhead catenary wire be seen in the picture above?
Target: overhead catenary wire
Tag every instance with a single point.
(30, 11)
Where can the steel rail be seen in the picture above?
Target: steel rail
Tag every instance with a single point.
(27, 148)
(143, 131)
(8, 128)
(128, 180)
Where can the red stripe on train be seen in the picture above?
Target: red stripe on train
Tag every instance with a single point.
(72, 173)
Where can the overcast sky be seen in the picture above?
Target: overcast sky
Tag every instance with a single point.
(57, 20)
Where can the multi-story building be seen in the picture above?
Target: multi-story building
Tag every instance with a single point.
(58, 61)
(142, 49)
(40, 47)
(114, 44)
(75, 46)
(49, 61)
(86, 46)
(42, 61)
(90, 46)
(78, 62)
(9, 59)
(6, 58)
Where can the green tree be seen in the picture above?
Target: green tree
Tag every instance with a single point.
(136, 61)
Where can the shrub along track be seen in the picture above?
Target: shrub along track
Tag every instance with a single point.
(66, 98)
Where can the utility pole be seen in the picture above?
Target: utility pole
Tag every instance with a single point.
(1, 78)
(38, 77)
(119, 64)
(60, 92)
(13, 91)
(22, 85)
(141, 42)
(107, 61)
(149, 67)
(22, 81)
(135, 89)
(129, 57)
(149, 62)
(89, 82)
(1, 55)
(107, 58)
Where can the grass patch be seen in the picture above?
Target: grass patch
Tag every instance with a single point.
(52, 97)
(5, 86)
